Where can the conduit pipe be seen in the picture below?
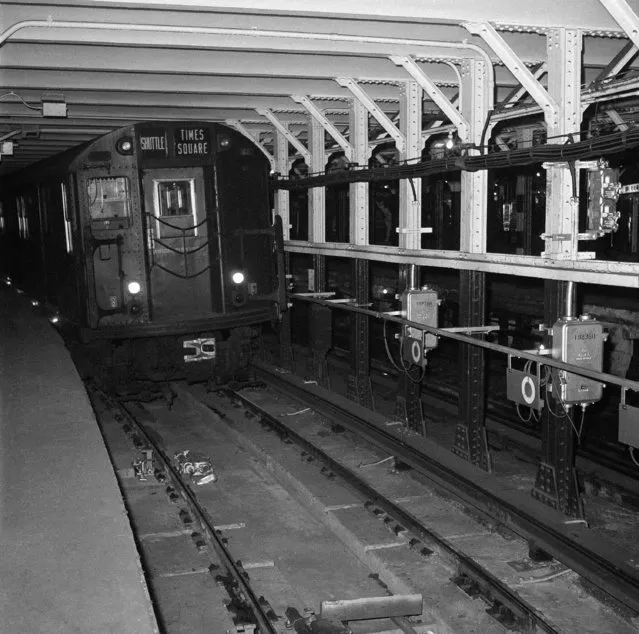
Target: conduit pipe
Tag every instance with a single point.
(327, 37)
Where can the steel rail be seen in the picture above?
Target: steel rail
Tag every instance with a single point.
(528, 618)
(261, 619)
(601, 564)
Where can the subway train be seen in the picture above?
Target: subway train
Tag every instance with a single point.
(153, 247)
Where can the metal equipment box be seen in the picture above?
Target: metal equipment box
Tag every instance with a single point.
(579, 342)
(421, 306)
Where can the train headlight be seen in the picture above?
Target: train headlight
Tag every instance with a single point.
(134, 288)
(124, 146)
(237, 277)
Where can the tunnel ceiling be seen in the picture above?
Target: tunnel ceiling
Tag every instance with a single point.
(237, 61)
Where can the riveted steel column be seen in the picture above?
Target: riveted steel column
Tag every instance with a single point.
(317, 233)
(410, 190)
(282, 208)
(282, 198)
(359, 381)
(470, 434)
(358, 192)
(556, 481)
(317, 195)
(320, 330)
(408, 406)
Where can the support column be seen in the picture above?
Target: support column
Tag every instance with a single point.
(470, 434)
(282, 208)
(320, 327)
(317, 195)
(359, 380)
(408, 405)
(410, 190)
(556, 481)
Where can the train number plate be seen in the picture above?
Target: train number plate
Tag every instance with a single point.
(199, 349)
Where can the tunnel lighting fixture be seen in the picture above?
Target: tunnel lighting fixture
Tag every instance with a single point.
(35, 303)
(450, 143)
(54, 319)
(7, 281)
(237, 277)
(134, 288)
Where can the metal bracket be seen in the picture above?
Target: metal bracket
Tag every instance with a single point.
(431, 89)
(292, 139)
(418, 230)
(625, 17)
(320, 117)
(374, 110)
(241, 128)
(514, 64)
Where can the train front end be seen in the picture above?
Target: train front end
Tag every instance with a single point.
(183, 261)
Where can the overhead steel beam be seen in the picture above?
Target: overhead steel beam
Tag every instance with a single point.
(618, 63)
(431, 89)
(517, 93)
(293, 140)
(234, 123)
(321, 118)
(375, 111)
(515, 65)
(625, 17)
(617, 119)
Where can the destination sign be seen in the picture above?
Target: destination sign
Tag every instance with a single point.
(192, 142)
(153, 142)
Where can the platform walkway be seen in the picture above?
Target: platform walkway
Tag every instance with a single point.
(68, 560)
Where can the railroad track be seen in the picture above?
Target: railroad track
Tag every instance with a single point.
(596, 452)
(606, 567)
(376, 527)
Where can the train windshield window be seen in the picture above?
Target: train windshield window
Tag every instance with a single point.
(175, 198)
(108, 197)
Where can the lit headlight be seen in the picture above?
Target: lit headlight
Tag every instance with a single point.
(134, 288)
(237, 277)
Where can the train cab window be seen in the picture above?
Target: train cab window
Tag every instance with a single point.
(175, 198)
(109, 198)
(68, 234)
(175, 207)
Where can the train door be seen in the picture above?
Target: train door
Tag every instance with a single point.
(177, 248)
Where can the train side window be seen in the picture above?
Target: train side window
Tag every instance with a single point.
(175, 198)
(68, 234)
(23, 221)
(109, 198)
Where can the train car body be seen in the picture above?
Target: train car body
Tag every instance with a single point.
(155, 242)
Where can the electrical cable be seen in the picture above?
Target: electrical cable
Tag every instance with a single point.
(631, 449)
(15, 94)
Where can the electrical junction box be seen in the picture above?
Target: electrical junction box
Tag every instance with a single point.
(578, 342)
(421, 306)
